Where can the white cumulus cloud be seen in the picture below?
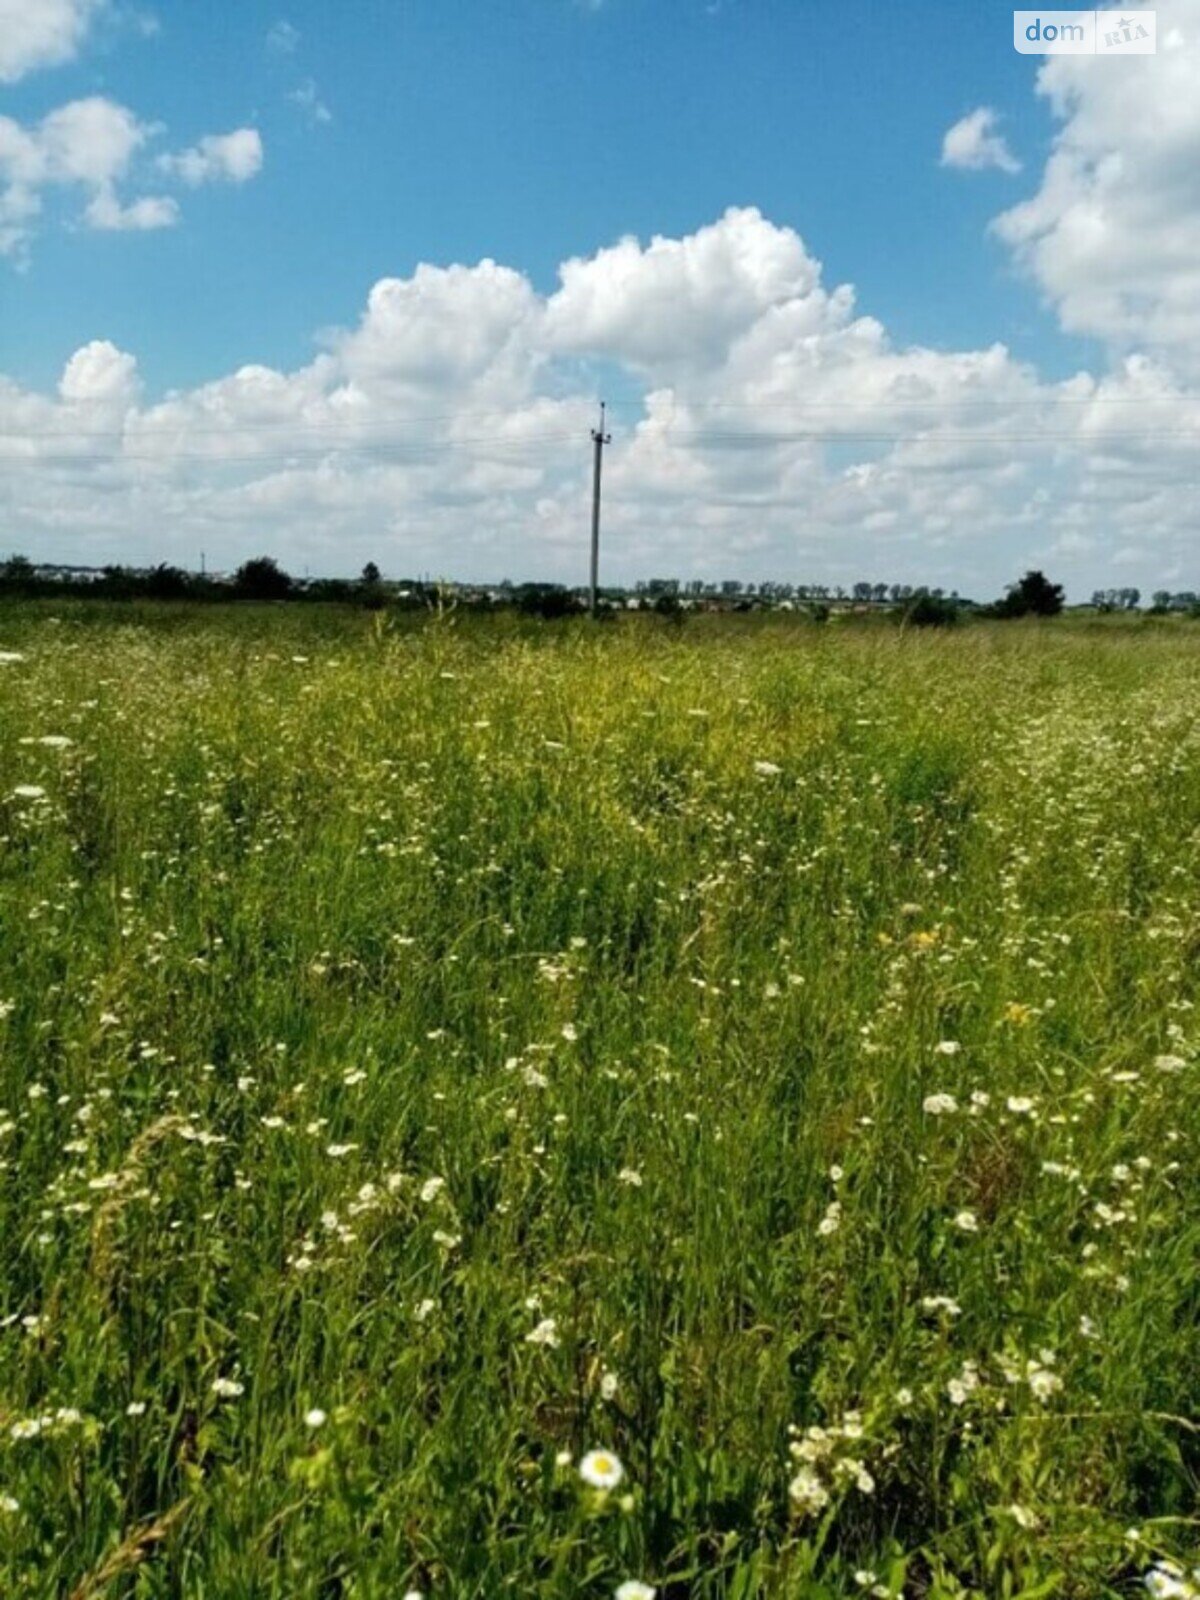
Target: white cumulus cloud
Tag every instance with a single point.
(97, 145)
(99, 371)
(218, 157)
(763, 427)
(107, 214)
(974, 145)
(41, 33)
(1112, 235)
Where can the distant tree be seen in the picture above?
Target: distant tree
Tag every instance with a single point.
(927, 610)
(330, 589)
(262, 579)
(16, 575)
(166, 583)
(116, 582)
(370, 588)
(1032, 596)
(548, 600)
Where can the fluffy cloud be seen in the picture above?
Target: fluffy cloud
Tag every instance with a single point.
(1112, 236)
(230, 157)
(89, 143)
(41, 33)
(107, 214)
(974, 145)
(763, 427)
(93, 144)
(682, 301)
(99, 371)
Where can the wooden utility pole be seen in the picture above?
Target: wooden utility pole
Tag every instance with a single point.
(599, 440)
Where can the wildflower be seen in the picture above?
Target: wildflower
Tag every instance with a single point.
(831, 1221)
(1170, 1063)
(947, 1047)
(608, 1386)
(767, 769)
(635, 1589)
(1019, 1104)
(431, 1188)
(939, 1105)
(1043, 1384)
(29, 791)
(7, 1503)
(631, 1176)
(1166, 1581)
(316, 1418)
(807, 1493)
(601, 1469)
(546, 1333)
(228, 1388)
(967, 1222)
(136, 1408)
(941, 1302)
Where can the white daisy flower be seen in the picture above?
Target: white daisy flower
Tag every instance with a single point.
(601, 1469)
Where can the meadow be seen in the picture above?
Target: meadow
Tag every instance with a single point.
(504, 1109)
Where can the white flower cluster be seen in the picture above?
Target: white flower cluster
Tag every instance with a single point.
(828, 1458)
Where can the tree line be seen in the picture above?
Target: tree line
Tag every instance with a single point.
(263, 579)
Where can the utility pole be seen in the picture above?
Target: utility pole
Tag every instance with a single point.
(599, 439)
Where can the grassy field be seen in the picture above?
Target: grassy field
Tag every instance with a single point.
(491, 1110)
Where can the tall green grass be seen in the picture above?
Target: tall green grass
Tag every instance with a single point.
(763, 1053)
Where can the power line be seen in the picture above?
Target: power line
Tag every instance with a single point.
(147, 423)
(420, 450)
(405, 449)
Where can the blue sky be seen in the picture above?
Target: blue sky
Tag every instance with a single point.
(377, 137)
(532, 130)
